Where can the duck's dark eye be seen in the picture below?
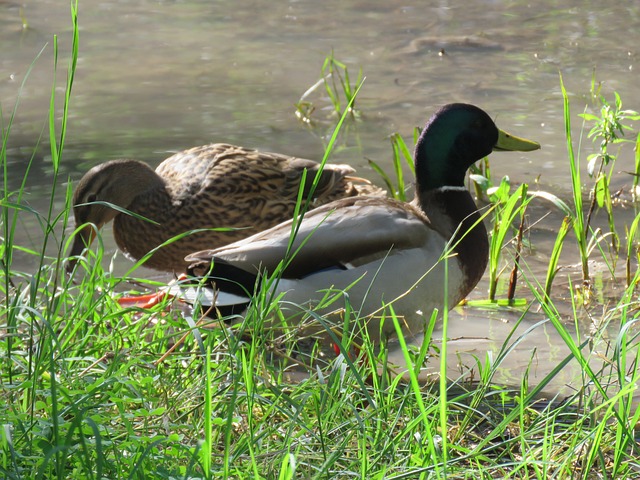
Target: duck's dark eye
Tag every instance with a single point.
(92, 197)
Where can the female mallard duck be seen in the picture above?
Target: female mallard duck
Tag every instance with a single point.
(237, 190)
(380, 251)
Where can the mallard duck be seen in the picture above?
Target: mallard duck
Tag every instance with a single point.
(238, 190)
(379, 251)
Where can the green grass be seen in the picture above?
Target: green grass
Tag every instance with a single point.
(87, 389)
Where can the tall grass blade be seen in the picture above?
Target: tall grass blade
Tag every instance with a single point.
(300, 210)
(554, 259)
(636, 176)
(401, 155)
(505, 215)
(579, 227)
(207, 441)
(632, 248)
(425, 413)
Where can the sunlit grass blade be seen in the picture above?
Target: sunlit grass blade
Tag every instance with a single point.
(632, 248)
(636, 176)
(504, 216)
(336, 80)
(554, 258)
(579, 227)
(205, 449)
(425, 414)
(389, 183)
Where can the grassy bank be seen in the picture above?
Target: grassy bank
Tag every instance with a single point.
(89, 389)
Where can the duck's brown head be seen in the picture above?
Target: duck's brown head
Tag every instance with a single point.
(102, 193)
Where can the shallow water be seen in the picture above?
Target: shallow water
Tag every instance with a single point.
(157, 77)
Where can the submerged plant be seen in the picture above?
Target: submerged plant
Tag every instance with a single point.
(507, 207)
(578, 220)
(402, 155)
(339, 88)
(608, 129)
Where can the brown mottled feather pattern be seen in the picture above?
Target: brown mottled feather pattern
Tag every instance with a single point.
(212, 186)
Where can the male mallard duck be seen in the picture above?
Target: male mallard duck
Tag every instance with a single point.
(380, 251)
(213, 186)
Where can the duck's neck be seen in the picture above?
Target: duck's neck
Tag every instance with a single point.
(130, 181)
(152, 201)
(454, 214)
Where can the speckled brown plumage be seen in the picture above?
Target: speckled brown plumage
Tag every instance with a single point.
(215, 186)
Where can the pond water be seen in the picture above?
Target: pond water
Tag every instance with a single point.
(155, 77)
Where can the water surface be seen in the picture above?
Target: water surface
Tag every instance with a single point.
(156, 77)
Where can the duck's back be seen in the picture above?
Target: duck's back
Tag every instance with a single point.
(229, 169)
(237, 190)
